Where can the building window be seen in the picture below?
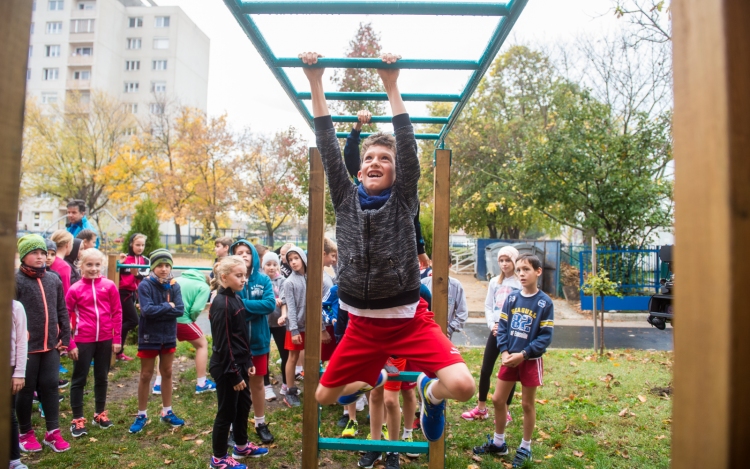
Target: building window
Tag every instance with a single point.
(158, 86)
(131, 108)
(56, 5)
(131, 65)
(88, 50)
(134, 43)
(52, 51)
(159, 65)
(31, 51)
(82, 75)
(131, 86)
(49, 98)
(135, 22)
(54, 27)
(162, 22)
(156, 108)
(161, 43)
(51, 74)
(82, 26)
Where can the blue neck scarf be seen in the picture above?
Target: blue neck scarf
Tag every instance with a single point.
(372, 202)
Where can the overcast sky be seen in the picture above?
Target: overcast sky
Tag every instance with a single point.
(242, 85)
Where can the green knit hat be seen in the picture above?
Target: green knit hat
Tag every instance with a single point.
(30, 242)
(160, 256)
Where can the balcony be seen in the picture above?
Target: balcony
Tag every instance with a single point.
(77, 85)
(80, 60)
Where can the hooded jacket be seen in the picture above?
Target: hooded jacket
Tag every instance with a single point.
(231, 348)
(257, 296)
(71, 258)
(195, 292)
(47, 321)
(157, 324)
(97, 308)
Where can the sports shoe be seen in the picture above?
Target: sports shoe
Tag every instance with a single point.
(343, 421)
(210, 386)
(369, 459)
(101, 420)
(171, 419)
(522, 455)
(264, 434)
(250, 451)
(78, 428)
(226, 462)
(361, 403)
(62, 383)
(410, 440)
(156, 389)
(28, 442)
(270, 394)
(352, 398)
(283, 390)
(351, 430)
(63, 370)
(291, 399)
(489, 447)
(475, 414)
(121, 357)
(432, 417)
(55, 441)
(140, 422)
(392, 461)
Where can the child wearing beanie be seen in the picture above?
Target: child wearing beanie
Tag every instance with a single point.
(272, 268)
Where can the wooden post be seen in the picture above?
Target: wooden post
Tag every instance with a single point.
(440, 261)
(15, 23)
(314, 298)
(712, 195)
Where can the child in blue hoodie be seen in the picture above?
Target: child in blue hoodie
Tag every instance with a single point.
(259, 300)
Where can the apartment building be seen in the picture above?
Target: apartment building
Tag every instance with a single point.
(134, 50)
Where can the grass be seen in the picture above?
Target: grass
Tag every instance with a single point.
(590, 414)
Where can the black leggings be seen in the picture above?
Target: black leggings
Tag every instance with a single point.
(491, 353)
(234, 409)
(101, 353)
(15, 451)
(129, 314)
(42, 375)
(279, 334)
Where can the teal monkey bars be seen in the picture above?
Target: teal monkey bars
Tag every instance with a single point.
(508, 12)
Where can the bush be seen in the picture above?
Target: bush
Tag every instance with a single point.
(145, 221)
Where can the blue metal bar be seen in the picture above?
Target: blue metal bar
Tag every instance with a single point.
(349, 444)
(369, 96)
(417, 136)
(389, 119)
(374, 7)
(413, 64)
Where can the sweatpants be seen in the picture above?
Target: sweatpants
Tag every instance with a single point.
(101, 353)
(233, 409)
(491, 353)
(278, 333)
(129, 314)
(15, 451)
(42, 375)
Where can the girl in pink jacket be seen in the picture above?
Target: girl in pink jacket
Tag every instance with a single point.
(96, 335)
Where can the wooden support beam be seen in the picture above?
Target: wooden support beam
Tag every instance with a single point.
(15, 23)
(712, 194)
(440, 261)
(313, 323)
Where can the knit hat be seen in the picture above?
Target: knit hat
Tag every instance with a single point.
(300, 252)
(161, 256)
(509, 251)
(270, 256)
(30, 242)
(51, 245)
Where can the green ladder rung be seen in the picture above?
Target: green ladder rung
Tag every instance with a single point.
(351, 444)
(404, 376)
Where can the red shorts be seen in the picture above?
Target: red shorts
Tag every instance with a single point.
(529, 372)
(369, 342)
(289, 345)
(326, 350)
(188, 332)
(260, 362)
(397, 386)
(155, 353)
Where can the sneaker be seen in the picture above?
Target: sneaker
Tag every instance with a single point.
(250, 451)
(55, 441)
(361, 402)
(475, 414)
(522, 455)
(352, 398)
(28, 442)
(156, 389)
(101, 420)
(489, 447)
(270, 394)
(264, 434)
(369, 459)
(410, 440)
(283, 390)
(78, 428)
(63, 383)
(226, 462)
(171, 419)
(432, 415)
(351, 430)
(392, 461)
(121, 357)
(210, 386)
(343, 421)
(140, 422)
(230, 441)
(63, 370)
(391, 369)
(291, 399)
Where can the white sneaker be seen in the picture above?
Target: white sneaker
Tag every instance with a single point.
(361, 403)
(270, 395)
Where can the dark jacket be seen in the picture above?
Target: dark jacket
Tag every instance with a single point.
(378, 266)
(47, 324)
(157, 325)
(231, 342)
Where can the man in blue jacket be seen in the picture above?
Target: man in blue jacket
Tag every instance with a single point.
(77, 220)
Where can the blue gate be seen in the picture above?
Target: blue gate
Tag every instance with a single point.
(637, 271)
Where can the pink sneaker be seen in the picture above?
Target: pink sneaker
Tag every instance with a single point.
(475, 414)
(55, 441)
(28, 442)
(123, 358)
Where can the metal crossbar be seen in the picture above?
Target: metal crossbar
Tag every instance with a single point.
(508, 12)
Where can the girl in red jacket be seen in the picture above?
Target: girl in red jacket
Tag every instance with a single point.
(97, 327)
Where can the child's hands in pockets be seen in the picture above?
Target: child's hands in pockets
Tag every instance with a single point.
(297, 339)
(241, 385)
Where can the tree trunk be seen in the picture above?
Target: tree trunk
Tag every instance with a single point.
(177, 233)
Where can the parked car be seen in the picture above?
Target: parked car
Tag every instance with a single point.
(660, 306)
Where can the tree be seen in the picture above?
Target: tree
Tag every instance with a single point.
(146, 222)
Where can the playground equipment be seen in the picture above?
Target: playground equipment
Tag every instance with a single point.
(507, 12)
